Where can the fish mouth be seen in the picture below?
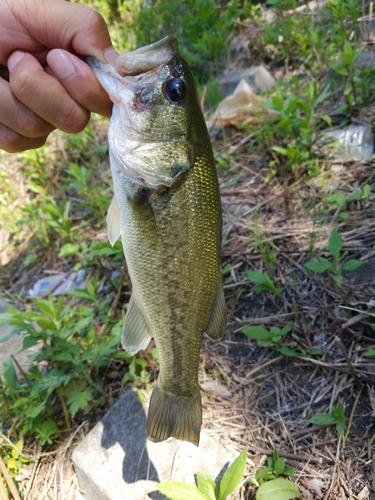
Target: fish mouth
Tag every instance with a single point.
(147, 58)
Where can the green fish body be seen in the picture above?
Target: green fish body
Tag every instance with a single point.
(166, 208)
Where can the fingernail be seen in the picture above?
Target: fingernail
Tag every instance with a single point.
(63, 66)
(110, 55)
(14, 59)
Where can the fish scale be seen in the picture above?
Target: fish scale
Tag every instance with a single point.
(167, 210)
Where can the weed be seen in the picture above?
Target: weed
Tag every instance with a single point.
(264, 247)
(263, 282)
(294, 126)
(336, 265)
(272, 485)
(67, 343)
(207, 488)
(337, 415)
(266, 337)
(201, 26)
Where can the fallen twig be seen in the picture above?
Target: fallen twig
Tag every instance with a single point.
(8, 480)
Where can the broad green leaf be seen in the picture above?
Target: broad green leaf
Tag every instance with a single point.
(287, 351)
(339, 412)
(256, 277)
(36, 410)
(9, 373)
(69, 249)
(29, 341)
(327, 119)
(282, 151)
(322, 419)
(286, 328)
(279, 466)
(278, 489)
(264, 473)
(288, 471)
(206, 485)
(370, 352)
(79, 400)
(45, 307)
(233, 476)
(257, 332)
(351, 265)
(179, 491)
(366, 190)
(335, 243)
(340, 427)
(319, 265)
(341, 70)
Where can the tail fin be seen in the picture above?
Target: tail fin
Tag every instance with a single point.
(170, 415)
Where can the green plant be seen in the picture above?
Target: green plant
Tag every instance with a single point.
(336, 415)
(336, 265)
(207, 488)
(67, 343)
(292, 352)
(294, 125)
(201, 26)
(271, 484)
(347, 67)
(278, 489)
(266, 337)
(263, 282)
(49, 221)
(264, 247)
(95, 198)
(339, 201)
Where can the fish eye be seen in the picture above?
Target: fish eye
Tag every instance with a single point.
(175, 90)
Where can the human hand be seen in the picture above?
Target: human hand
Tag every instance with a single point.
(44, 84)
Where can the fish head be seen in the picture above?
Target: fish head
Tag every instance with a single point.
(155, 102)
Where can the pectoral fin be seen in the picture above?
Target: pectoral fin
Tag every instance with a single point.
(113, 222)
(135, 335)
(216, 324)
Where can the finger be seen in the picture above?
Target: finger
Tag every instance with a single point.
(65, 25)
(44, 94)
(17, 117)
(12, 142)
(79, 81)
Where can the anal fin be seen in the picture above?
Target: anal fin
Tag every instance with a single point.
(113, 222)
(135, 335)
(216, 324)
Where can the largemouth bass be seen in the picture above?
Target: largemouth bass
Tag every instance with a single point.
(166, 208)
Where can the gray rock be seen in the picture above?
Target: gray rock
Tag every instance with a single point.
(258, 77)
(116, 460)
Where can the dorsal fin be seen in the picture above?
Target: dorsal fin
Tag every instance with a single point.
(113, 222)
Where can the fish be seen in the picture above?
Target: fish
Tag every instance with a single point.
(167, 210)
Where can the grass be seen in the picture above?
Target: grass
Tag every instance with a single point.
(288, 258)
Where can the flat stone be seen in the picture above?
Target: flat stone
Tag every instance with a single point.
(116, 460)
(258, 77)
